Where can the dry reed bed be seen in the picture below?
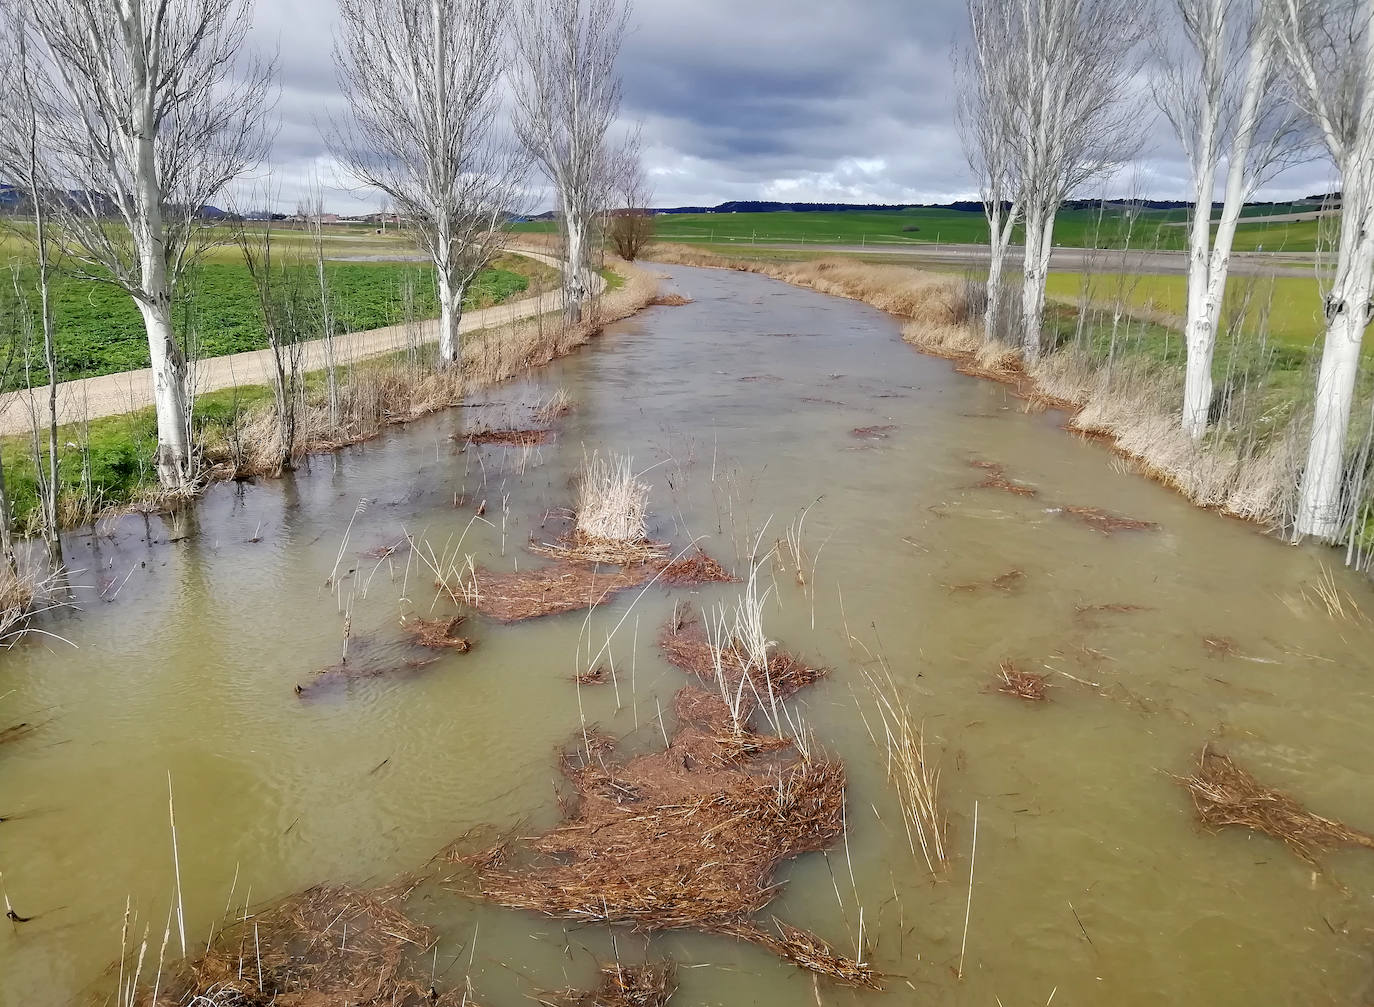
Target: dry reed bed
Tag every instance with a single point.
(1131, 406)
(438, 634)
(686, 837)
(325, 947)
(1225, 794)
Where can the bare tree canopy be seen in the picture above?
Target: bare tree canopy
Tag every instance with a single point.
(148, 112)
(1220, 90)
(567, 98)
(420, 77)
(1329, 48)
(1064, 69)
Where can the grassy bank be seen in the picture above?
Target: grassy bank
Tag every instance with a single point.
(106, 463)
(99, 331)
(1119, 375)
(1107, 228)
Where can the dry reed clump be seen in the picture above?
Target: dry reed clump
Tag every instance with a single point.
(327, 946)
(1225, 794)
(1008, 583)
(439, 634)
(693, 569)
(996, 479)
(649, 985)
(670, 301)
(594, 676)
(685, 643)
(688, 837)
(521, 438)
(555, 407)
(386, 550)
(612, 501)
(1012, 681)
(1105, 521)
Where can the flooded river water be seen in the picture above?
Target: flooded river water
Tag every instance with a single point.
(1093, 883)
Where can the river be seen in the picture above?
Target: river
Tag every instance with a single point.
(1093, 882)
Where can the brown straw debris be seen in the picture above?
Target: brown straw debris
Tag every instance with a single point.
(439, 634)
(550, 590)
(339, 676)
(325, 946)
(1225, 794)
(684, 643)
(996, 479)
(1012, 681)
(670, 301)
(514, 437)
(873, 433)
(1106, 522)
(649, 985)
(686, 837)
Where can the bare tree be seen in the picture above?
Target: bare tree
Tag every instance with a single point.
(20, 159)
(631, 219)
(1329, 45)
(314, 217)
(1067, 68)
(151, 114)
(277, 286)
(1218, 91)
(420, 77)
(987, 131)
(567, 97)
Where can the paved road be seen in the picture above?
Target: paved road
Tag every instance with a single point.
(113, 394)
(1067, 259)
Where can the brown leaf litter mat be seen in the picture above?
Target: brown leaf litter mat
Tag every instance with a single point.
(650, 985)
(1225, 794)
(689, 836)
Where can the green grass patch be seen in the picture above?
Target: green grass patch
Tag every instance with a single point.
(99, 330)
(1107, 228)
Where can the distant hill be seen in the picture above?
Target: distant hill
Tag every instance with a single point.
(963, 206)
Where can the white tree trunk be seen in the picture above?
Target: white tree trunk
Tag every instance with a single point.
(1199, 328)
(169, 396)
(999, 236)
(1348, 314)
(576, 287)
(1039, 243)
(450, 314)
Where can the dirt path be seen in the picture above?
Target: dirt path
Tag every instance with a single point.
(112, 394)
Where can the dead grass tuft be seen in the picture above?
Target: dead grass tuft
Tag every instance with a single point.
(685, 643)
(596, 676)
(439, 634)
(1012, 681)
(611, 500)
(671, 300)
(648, 985)
(692, 569)
(1225, 794)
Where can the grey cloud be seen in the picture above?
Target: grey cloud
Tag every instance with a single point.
(745, 99)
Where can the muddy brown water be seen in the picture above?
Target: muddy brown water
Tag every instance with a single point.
(1091, 877)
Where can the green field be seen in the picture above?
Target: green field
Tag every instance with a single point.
(99, 330)
(1107, 228)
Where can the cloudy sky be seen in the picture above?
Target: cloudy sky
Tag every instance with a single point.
(747, 99)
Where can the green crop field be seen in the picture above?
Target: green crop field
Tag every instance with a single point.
(1287, 309)
(99, 330)
(1106, 228)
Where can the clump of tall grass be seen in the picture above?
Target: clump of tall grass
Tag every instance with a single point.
(612, 500)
